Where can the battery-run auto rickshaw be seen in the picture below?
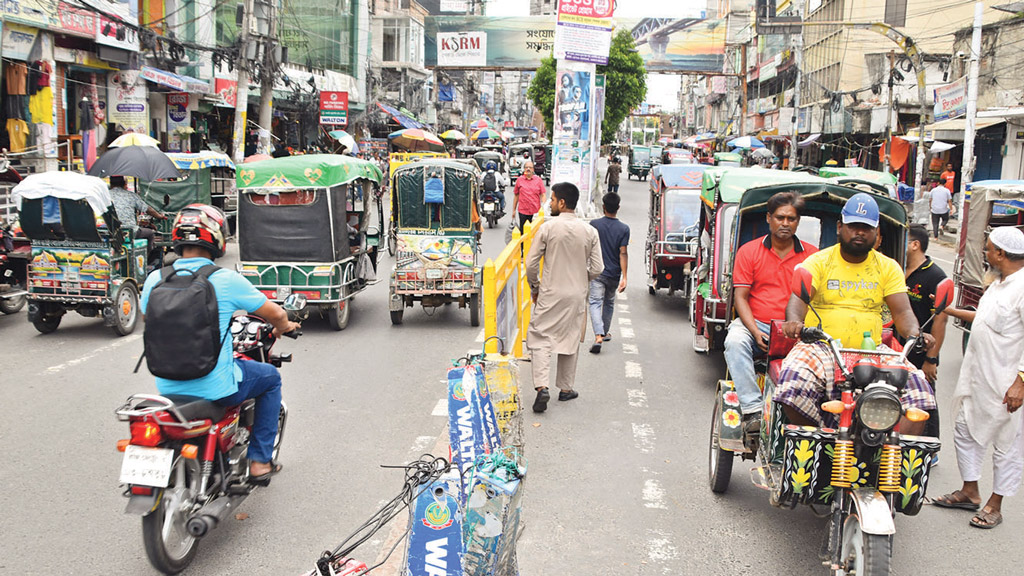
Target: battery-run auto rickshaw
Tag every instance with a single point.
(672, 232)
(486, 156)
(467, 150)
(310, 225)
(436, 259)
(855, 174)
(639, 162)
(862, 471)
(518, 155)
(82, 259)
(728, 159)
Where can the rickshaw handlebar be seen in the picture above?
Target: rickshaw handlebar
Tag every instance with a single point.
(294, 334)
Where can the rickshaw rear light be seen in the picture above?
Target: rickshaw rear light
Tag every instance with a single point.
(146, 433)
(122, 444)
(142, 491)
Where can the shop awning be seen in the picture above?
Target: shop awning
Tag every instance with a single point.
(808, 141)
(175, 81)
(402, 119)
(960, 124)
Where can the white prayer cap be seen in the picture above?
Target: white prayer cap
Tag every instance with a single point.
(1009, 239)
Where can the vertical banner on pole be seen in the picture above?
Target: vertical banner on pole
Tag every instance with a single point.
(574, 126)
(595, 144)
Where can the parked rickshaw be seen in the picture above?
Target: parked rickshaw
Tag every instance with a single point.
(396, 159)
(310, 225)
(206, 178)
(15, 249)
(856, 174)
(518, 155)
(728, 159)
(711, 284)
(988, 204)
(639, 162)
(82, 259)
(862, 471)
(672, 233)
(656, 156)
(467, 150)
(436, 258)
(548, 160)
(482, 158)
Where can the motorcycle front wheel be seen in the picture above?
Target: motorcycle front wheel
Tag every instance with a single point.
(863, 554)
(12, 305)
(169, 546)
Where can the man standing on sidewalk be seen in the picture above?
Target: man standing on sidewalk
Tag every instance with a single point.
(614, 235)
(571, 251)
(611, 177)
(941, 205)
(530, 194)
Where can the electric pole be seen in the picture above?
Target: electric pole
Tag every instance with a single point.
(888, 113)
(967, 169)
(269, 67)
(242, 90)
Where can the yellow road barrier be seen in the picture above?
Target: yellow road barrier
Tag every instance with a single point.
(507, 302)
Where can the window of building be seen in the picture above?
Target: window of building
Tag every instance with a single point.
(896, 12)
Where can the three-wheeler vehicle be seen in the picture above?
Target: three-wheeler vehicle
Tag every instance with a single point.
(987, 205)
(639, 162)
(310, 225)
(15, 248)
(482, 158)
(855, 465)
(728, 159)
(854, 174)
(672, 233)
(436, 259)
(467, 150)
(518, 155)
(82, 259)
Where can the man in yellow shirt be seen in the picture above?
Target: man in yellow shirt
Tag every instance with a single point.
(851, 282)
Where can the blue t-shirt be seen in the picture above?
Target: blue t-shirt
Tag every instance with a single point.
(614, 234)
(233, 293)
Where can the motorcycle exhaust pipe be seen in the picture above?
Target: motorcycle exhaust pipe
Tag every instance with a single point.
(207, 518)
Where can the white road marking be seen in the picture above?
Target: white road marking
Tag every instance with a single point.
(623, 308)
(626, 332)
(634, 370)
(113, 345)
(441, 409)
(622, 296)
(630, 349)
(637, 398)
(481, 336)
(643, 437)
(942, 261)
(625, 321)
(422, 443)
(654, 495)
(660, 549)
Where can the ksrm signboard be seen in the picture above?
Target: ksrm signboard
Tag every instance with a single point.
(461, 49)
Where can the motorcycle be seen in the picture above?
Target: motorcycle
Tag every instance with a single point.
(15, 252)
(186, 464)
(864, 472)
(491, 210)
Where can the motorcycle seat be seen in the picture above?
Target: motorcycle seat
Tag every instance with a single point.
(191, 407)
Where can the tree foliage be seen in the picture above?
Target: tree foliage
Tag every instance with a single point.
(625, 86)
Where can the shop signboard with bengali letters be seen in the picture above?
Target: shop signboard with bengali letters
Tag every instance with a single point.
(583, 30)
(951, 100)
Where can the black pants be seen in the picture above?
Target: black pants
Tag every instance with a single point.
(147, 234)
(523, 219)
(938, 221)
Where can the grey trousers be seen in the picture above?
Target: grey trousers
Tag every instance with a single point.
(540, 363)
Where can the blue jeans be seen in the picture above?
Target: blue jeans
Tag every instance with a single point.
(613, 188)
(740, 351)
(262, 382)
(601, 302)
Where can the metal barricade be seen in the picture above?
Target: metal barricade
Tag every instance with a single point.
(507, 302)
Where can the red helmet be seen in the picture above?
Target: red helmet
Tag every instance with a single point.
(200, 225)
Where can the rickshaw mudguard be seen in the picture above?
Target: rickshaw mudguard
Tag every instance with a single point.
(730, 432)
(873, 512)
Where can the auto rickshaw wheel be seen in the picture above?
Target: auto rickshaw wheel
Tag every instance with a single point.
(474, 310)
(126, 309)
(392, 243)
(719, 461)
(47, 324)
(13, 305)
(338, 315)
(863, 554)
(396, 317)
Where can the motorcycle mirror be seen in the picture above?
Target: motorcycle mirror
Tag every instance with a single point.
(803, 284)
(943, 295)
(294, 302)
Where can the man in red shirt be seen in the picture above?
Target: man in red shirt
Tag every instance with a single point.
(948, 177)
(762, 273)
(530, 194)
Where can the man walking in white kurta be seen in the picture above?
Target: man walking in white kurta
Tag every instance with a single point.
(571, 250)
(990, 389)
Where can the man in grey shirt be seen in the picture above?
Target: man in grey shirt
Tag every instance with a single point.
(128, 206)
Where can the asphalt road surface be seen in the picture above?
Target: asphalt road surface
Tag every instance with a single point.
(616, 480)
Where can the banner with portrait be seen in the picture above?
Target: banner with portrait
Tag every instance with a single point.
(573, 104)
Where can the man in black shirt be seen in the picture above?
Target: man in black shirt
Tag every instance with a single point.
(923, 277)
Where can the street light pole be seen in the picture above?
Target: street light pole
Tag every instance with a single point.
(967, 174)
(242, 90)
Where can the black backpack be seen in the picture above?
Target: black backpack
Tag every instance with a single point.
(182, 338)
(490, 182)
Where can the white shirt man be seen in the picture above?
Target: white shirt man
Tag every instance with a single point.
(941, 205)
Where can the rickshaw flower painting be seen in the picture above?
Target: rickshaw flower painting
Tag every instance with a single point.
(731, 398)
(731, 418)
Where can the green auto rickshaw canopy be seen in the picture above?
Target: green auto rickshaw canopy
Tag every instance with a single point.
(727, 185)
(857, 173)
(305, 171)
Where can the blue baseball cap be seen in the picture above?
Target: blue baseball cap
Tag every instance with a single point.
(861, 208)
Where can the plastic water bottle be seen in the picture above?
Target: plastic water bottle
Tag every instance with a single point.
(868, 343)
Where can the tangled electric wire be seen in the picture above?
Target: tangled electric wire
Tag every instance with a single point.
(419, 475)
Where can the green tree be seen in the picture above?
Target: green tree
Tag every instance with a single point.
(625, 86)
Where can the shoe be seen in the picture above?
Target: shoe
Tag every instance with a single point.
(752, 423)
(607, 337)
(540, 404)
(564, 396)
(264, 479)
(596, 348)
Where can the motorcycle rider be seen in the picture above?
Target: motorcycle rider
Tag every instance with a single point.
(492, 182)
(851, 282)
(199, 238)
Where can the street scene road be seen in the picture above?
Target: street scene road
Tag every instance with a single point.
(616, 480)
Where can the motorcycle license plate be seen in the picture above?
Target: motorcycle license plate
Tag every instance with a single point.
(147, 466)
(489, 206)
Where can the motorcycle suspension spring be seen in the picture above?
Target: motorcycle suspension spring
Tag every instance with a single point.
(841, 463)
(889, 468)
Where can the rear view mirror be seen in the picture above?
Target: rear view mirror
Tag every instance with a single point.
(943, 295)
(294, 302)
(803, 284)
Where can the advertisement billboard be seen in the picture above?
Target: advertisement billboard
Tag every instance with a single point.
(334, 108)
(462, 49)
(951, 100)
(583, 31)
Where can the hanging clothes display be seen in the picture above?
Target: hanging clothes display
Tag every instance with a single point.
(15, 74)
(17, 130)
(40, 106)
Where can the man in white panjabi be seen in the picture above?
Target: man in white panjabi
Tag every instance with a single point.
(571, 250)
(990, 390)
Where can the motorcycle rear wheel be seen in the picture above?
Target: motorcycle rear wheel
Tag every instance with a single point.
(12, 305)
(863, 554)
(168, 544)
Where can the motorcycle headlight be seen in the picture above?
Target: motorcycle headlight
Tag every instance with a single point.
(879, 408)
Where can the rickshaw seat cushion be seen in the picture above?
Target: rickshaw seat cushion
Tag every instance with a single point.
(191, 407)
(890, 340)
(778, 344)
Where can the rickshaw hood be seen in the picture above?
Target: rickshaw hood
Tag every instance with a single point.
(306, 171)
(69, 185)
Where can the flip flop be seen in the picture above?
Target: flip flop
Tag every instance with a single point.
(987, 520)
(955, 500)
(264, 479)
(596, 348)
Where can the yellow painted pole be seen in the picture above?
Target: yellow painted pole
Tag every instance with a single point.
(491, 291)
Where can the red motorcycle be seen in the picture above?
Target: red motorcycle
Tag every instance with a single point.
(185, 466)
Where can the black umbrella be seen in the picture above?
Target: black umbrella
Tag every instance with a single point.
(143, 162)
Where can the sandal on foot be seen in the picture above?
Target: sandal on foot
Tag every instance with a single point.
(264, 479)
(987, 519)
(956, 499)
